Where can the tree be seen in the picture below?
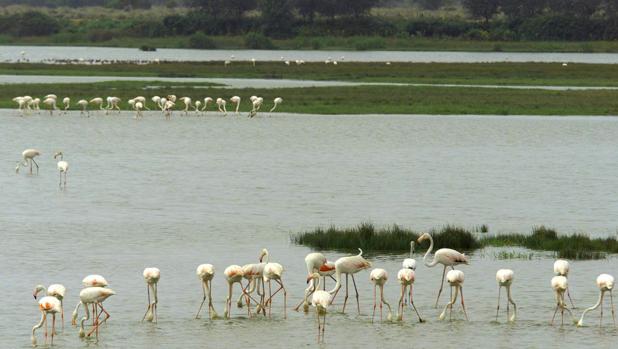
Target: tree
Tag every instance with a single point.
(430, 4)
(522, 9)
(277, 17)
(484, 9)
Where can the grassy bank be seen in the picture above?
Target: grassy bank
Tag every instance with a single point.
(353, 100)
(330, 43)
(430, 73)
(395, 239)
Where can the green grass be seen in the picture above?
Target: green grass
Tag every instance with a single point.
(426, 73)
(355, 99)
(395, 239)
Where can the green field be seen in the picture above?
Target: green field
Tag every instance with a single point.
(353, 100)
(431, 73)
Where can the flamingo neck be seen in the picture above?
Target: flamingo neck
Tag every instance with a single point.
(425, 261)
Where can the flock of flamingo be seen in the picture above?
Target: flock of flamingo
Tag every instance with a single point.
(27, 104)
(260, 276)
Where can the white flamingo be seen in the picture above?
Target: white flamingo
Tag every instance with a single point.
(63, 168)
(97, 101)
(47, 305)
(206, 272)
(378, 277)
(206, 101)
(152, 277)
(51, 103)
(187, 103)
(320, 300)
(505, 277)
(445, 256)
(562, 268)
(92, 296)
(277, 101)
(406, 279)
(67, 103)
(236, 100)
(84, 107)
(560, 284)
(221, 105)
(273, 272)
(455, 279)
(233, 274)
(605, 283)
(28, 156)
(349, 266)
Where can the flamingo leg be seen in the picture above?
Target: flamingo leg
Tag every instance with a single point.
(356, 291)
(203, 300)
(53, 328)
(441, 286)
(62, 309)
(270, 299)
(414, 306)
(45, 329)
(147, 309)
(35, 164)
(401, 301)
(345, 300)
(463, 304)
(611, 300)
(317, 312)
(601, 319)
(498, 307)
(555, 311)
(373, 313)
(571, 300)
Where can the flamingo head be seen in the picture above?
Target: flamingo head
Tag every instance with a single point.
(313, 276)
(423, 237)
(263, 253)
(58, 154)
(38, 289)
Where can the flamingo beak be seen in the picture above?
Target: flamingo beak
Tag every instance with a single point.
(309, 278)
(34, 295)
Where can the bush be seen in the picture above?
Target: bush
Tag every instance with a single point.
(30, 23)
(365, 44)
(258, 41)
(477, 34)
(200, 40)
(99, 35)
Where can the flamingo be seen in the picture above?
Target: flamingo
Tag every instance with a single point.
(142, 99)
(233, 274)
(313, 261)
(236, 100)
(97, 101)
(410, 263)
(171, 98)
(455, 278)
(257, 104)
(254, 273)
(605, 283)
(505, 277)
(112, 103)
(21, 102)
(151, 276)
(54, 290)
(67, 103)
(198, 107)
(187, 102)
(84, 105)
(156, 100)
(28, 156)
(47, 305)
(51, 102)
(206, 101)
(138, 110)
(221, 104)
(406, 278)
(167, 108)
(205, 272)
(562, 268)
(320, 300)
(277, 101)
(93, 280)
(378, 277)
(445, 256)
(273, 271)
(560, 284)
(63, 167)
(92, 296)
(349, 265)
(35, 104)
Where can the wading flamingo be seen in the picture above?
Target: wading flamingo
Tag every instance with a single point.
(97, 101)
(410, 263)
(406, 278)
(93, 280)
(236, 100)
(51, 103)
(349, 266)
(455, 278)
(92, 296)
(67, 103)
(142, 99)
(205, 272)
(254, 273)
(378, 277)
(273, 271)
(605, 283)
(320, 300)
(256, 105)
(206, 101)
(313, 261)
(151, 276)
(233, 274)
(28, 156)
(54, 290)
(187, 103)
(277, 101)
(35, 104)
(562, 268)
(63, 168)
(198, 107)
(445, 256)
(560, 284)
(84, 107)
(221, 105)
(505, 277)
(47, 305)
(138, 110)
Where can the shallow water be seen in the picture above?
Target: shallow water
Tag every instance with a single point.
(216, 190)
(44, 53)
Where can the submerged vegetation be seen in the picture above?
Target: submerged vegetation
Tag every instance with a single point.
(395, 239)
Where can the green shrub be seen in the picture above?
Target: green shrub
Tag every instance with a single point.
(365, 44)
(200, 40)
(257, 41)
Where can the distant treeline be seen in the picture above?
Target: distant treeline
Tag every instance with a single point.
(502, 20)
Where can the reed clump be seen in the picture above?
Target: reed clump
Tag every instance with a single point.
(396, 239)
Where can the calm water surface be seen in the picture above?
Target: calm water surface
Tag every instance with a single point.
(43, 53)
(216, 190)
